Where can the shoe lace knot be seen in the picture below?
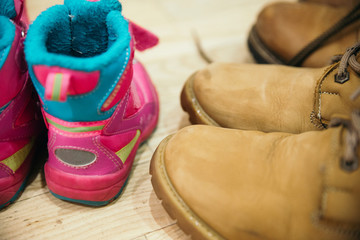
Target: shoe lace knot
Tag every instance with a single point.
(348, 58)
(350, 161)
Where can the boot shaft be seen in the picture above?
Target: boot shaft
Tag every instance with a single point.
(66, 76)
(13, 68)
(19, 113)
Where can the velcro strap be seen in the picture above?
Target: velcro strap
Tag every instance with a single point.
(143, 38)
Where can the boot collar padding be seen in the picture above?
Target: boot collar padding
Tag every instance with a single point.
(50, 41)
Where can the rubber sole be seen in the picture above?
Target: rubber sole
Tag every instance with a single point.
(92, 203)
(17, 193)
(17, 188)
(191, 105)
(260, 52)
(187, 220)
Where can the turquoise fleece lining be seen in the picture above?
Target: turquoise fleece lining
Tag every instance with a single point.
(89, 31)
(7, 8)
(52, 39)
(7, 36)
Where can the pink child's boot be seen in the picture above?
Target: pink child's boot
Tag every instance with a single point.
(98, 102)
(19, 123)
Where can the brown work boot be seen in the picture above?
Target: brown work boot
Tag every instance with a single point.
(303, 33)
(272, 98)
(340, 3)
(232, 184)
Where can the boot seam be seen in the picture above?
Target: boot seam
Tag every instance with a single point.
(337, 228)
(53, 140)
(115, 83)
(107, 153)
(320, 102)
(316, 113)
(2, 55)
(332, 226)
(86, 134)
(6, 169)
(316, 122)
(331, 93)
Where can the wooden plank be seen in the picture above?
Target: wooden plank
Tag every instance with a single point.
(169, 232)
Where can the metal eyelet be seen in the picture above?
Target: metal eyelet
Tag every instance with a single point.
(342, 78)
(349, 166)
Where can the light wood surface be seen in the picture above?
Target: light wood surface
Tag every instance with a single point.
(222, 27)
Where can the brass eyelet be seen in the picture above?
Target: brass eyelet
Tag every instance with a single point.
(342, 78)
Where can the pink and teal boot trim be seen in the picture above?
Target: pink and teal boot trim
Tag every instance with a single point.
(98, 102)
(20, 119)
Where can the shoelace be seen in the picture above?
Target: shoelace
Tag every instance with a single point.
(350, 161)
(349, 58)
(351, 17)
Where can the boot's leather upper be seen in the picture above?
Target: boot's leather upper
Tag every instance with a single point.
(286, 28)
(349, 3)
(272, 97)
(253, 185)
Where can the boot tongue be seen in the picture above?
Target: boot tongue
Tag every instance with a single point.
(88, 25)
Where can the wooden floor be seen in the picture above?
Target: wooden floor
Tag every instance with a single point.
(222, 27)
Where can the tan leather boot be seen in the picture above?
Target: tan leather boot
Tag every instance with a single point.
(232, 184)
(271, 98)
(340, 3)
(303, 33)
